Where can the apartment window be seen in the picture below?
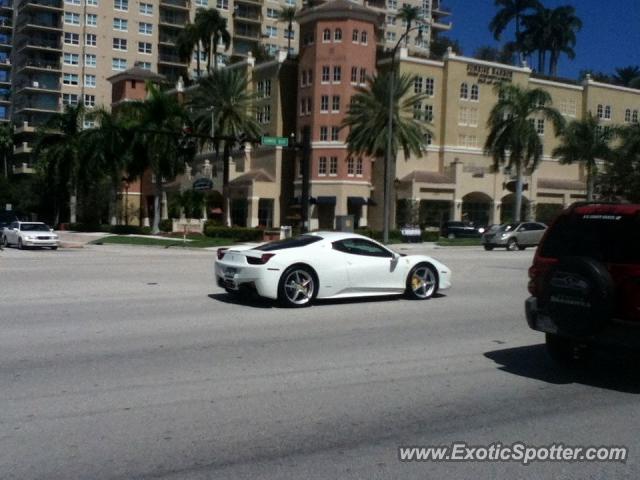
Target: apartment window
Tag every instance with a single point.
(309, 105)
(119, 64)
(71, 18)
(71, 59)
(324, 104)
(91, 40)
(264, 88)
(355, 36)
(144, 65)
(475, 92)
(325, 74)
(322, 166)
(303, 78)
(600, 111)
(90, 101)
(363, 76)
(634, 117)
(335, 104)
(90, 80)
(120, 24)
(391, 19)
(627, 115)
(326, 35)
(335, 134)
(263, 114)
(417, 111)
(72, 2)
(273, 13)
(359, 167)
(429, 86)
(71, 38)
(417, 85)
(392, 4)
(202, 3)
(607, 112)
(464, 91)
(272, 31)
(146, 8)
(91, 20)
(364, 37)
(223, 4)
(468, 117)
(324, 134)
(88, 123)
(122, 5)
(428, 113)
(390, 36)
(145, 28)
(120, 44)
(468, 141)
(333, 166)
(337, 74)
(92, 3)
(337, 35)
(69, 99)
(354, 74)
(90, 60)
(303, 106)
(70, 79)
(540, 126)
(351, 166)
(290, 34)
(144, 47)
(428, 140)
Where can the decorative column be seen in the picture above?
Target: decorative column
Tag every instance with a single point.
(495, 215)
(252, 211)
(164, 212)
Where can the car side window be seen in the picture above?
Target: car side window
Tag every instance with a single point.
(14, 225)
(537, 226)
(359, 246)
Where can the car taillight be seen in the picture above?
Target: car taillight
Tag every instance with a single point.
(221, 252)
(261, 260)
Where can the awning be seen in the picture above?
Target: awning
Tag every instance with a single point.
(326, 201)
(356, 201)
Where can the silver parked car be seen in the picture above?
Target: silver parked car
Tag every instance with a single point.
(514, 236)
(29, 234)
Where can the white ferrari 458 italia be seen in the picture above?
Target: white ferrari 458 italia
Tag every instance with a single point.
(298, 270)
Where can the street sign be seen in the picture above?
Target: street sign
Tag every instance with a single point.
(274, 141)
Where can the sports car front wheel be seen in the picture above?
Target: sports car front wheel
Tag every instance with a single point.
(298, 287)
(422, 282)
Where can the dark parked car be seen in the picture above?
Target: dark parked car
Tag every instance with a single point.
(585, 280)
(453, 229)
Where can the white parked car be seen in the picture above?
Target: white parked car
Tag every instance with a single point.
(298, 270)
(29, 234)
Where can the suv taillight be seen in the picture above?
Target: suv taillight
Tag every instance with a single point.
(264, 258)
(221, 252)
(532, 285)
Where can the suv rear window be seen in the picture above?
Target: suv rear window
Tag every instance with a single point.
(300, 241)
(605, 237)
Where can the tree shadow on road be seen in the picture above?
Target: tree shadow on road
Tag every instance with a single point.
(602, 371)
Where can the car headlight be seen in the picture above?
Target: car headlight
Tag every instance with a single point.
(55, 237)
(504, 235)
(29, 237)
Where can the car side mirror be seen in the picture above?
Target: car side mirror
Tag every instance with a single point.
(51, 229)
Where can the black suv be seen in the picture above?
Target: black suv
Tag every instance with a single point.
(585, 280)
(453, 229)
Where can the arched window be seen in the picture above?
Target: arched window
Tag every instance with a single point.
(627, 115)
(363, 37)
(354, 36)
(326, 35)
(475, 92)
(337, 35)
(464, 91)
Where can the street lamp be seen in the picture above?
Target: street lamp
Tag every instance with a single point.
(389, 153)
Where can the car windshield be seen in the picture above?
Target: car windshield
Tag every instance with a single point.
(508, 227)
(34, 227)
(607, 238)
(300, 241)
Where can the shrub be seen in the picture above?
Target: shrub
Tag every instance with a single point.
(88, 227)
(234, 233)
(130, 230)
(166, 225)
(430, 236)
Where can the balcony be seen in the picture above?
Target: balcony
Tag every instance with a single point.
(22, 148)
(23, 168)
(5, 81)
(36, 107)
(37, 65)
(247, 15)
(43, 5)
(247, 34)
(435, 24)
(37, 22)
(5, 5)
(165, 39)
(250, 2)
(5, 41)
(173, 21)
(38, 87)
(175, 4)
(24, 127)
(6, 24)
(5, 62)
(171, 59)
(42, 44)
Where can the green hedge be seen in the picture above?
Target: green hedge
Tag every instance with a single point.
(166, 225)
(130, 230)
(234, 233)
(88, 227)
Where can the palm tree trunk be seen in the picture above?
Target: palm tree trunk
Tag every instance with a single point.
(590, 183)
(226, 203)
(113, 209)
(157, 206)
(289, 38)
(198, 59)
(517, 207)
(73, 205)
(214, 50)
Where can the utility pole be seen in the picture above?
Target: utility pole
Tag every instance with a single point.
(305, 168)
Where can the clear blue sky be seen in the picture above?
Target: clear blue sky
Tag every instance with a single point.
(610, 35)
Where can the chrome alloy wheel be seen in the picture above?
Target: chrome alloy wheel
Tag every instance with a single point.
(299, 287)
(423, 282)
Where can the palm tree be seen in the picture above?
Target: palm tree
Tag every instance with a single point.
(536, 35)
(226, 94)
(513, 140)
(288, 15)
(367, 118)
(563, 26)
(626, 75)
(409, 14)
(61, 153)
(511, 11)
(213, 29)
(587, 142)
(159, 123)
(623, 169)
(189, 40)
(6, 145)
(110, 150)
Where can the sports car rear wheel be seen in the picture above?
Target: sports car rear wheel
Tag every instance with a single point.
(422, 282)
(298, 287)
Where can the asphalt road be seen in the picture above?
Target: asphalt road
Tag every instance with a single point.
(128, 362)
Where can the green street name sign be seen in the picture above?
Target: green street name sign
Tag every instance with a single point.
(275, 141)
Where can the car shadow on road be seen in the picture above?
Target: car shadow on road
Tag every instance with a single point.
(532, 361)
(246, 299)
